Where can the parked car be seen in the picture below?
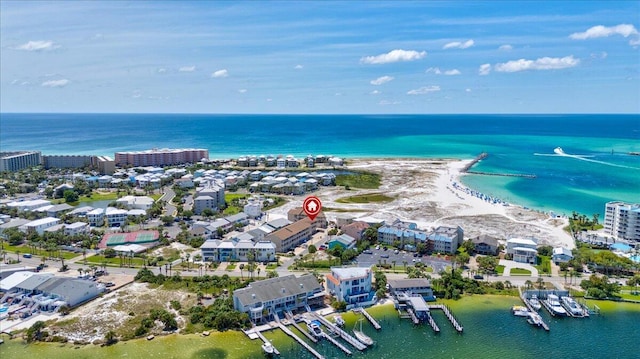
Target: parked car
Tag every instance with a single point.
(478, 276)
(27, 255)
(384, 256)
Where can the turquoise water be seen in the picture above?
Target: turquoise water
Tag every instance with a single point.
(515, 143)
(490, 331)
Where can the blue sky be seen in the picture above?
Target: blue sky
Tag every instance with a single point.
(320, 57)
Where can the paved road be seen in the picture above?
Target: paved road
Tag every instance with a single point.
(169, 195)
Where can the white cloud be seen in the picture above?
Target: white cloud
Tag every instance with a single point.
(467, 90)
(375, 92)
(459, 45)
(187, 69)
(543, 63)
(625, 30)
(220, 73)
(136, 94)
(394, 56)
(162, 70)
(484, 69)
(14, 82)
(634, 42)
(242, 90)
(381, 80)
(298, 67)
(436, 70)
(38, 46)
(599, 56)
(56, 83)
(505, 47)
(387, 102)
(424, 90)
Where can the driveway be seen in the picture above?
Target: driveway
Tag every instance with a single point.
(508, 265)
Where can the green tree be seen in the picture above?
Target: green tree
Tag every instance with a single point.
(35, 331)
(110, 338)
(70, 196)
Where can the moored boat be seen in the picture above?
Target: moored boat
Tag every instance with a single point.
(572, 306)
(267, 348)
(520, 311)
(534, 302)
(362, 338)
(554, 304)
(314, 328)
(338, 320)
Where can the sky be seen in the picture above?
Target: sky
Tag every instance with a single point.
(329, 57)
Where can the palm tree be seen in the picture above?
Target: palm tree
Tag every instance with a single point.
(241, 268)
(80, 270)
(540, 282)
(405, 265)
(528, 284)
(507, 284)
(394, 266)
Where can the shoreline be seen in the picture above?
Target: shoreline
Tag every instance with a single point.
(424, 193)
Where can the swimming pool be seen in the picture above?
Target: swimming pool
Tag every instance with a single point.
(635, 258)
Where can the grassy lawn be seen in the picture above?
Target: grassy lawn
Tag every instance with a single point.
(231, 210)
(499, 269)
(362, 180)
(156, 196)
(230, 267)
(115, 261)
(24, 249)
(545, 265)
(99, 197)
(520, 271)
(271, 266)
(228, 197)
(366, 198)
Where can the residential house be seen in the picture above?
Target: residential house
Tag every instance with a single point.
(351, 285)
(355, 229)
(39, 225)
(292, 235)
(484, 244)
(561, 255)
(263, 298)
(421, 286)
(522, 250)
(344, 241)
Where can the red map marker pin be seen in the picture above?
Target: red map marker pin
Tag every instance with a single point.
(312, 207)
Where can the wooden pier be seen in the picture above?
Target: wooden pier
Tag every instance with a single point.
(449, 316)
(306, 333)
(413, 316)
(344, 335)
(432, 323)
(371, 319)
(299, 340)
(336, 343)
(266, 341)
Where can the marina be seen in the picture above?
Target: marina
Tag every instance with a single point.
(418, 311)
(344, 335)
(530, 302)
(371, 319)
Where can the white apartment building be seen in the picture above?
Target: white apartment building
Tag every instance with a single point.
(622, 220)
(40, 225)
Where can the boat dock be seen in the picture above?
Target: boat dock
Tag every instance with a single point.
(266, 341)
(371, 319)
(413, 316)
(336, 343)
(532, 309)
(344, 335)
(299, 340)
(293, 322)
(433, 324)
(449, 315)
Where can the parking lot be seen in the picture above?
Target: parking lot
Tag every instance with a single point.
(375, 256)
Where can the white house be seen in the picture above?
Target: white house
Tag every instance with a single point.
(522, 250)
(39, 225)
(214, 250)
(351, 285)
(96, 217)
(115, 217)
(561, 255)
(253, 209)
(76, 228)
(29, 205)
(136, 202)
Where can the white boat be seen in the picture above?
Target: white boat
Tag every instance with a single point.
(362, 338)
(558, 151)
(338, 320)
(314, 328)
(535, 319)
(534, 302)
(573, 307)
(267, 348)
(554, 304)
(520, 311)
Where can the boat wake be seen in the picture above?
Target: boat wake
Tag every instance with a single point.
(558, 152)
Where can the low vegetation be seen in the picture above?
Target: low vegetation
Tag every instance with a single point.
(363, 180)
(366, 198)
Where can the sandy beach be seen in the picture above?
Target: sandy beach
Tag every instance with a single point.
(424, 193)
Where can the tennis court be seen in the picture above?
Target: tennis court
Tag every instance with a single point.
(139, 237)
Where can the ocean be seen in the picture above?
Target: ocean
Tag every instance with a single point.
(599, 168)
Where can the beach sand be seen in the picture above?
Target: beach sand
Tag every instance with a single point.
(424, 193)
